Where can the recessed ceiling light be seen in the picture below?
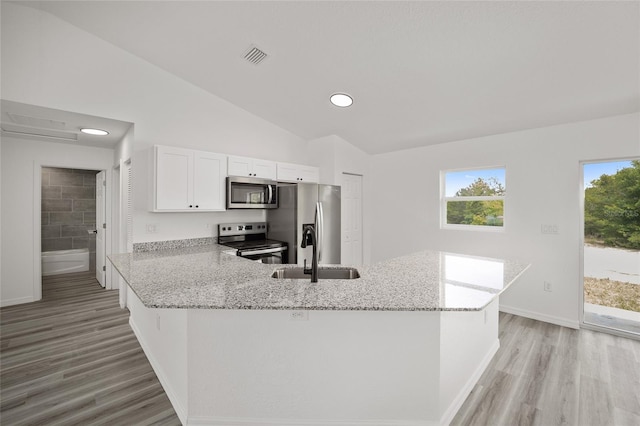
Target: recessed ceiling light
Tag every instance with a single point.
(96, 132)
(341, 100)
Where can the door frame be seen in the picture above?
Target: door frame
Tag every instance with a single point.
(37, 215)
(120, 241)
(581, 322)
(362, 236)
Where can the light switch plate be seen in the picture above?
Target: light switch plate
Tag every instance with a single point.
(549, 229)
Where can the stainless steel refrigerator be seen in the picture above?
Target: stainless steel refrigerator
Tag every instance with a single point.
(300, 204)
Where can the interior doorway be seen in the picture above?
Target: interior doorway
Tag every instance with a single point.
(68, 216)
(73, 204)
(611, 245)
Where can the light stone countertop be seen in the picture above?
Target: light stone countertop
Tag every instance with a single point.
(208, 277)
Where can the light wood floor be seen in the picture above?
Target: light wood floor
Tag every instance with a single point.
(544, 374)
(72, 359)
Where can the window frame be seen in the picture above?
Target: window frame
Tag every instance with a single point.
(444, 200)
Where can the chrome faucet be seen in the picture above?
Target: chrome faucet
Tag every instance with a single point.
(310, 231)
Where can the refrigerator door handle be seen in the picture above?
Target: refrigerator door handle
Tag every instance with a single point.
(316, 224)
(320, 231)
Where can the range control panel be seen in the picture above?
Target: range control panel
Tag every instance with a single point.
(228, 229)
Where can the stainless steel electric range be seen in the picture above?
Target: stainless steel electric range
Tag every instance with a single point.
(250, 241)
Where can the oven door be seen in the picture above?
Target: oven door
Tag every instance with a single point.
(251, 193)
(275, 255)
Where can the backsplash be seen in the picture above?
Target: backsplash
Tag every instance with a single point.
(173, 244)
(69, 210)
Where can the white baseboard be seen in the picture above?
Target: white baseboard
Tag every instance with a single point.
(453, 408)
(564, 322)
(224, 421)
(177, 406)
(16, 301)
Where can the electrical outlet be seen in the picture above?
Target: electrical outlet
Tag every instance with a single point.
(547, 286)
(549, 229)
(151, 228)
(299, 315)
(158, 321)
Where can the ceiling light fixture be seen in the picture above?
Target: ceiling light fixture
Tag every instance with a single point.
(95, 132)
(341, 100)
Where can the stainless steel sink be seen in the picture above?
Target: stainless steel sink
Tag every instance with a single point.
(323, 273)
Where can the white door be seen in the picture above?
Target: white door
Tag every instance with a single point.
(352, 219)
(101, 182)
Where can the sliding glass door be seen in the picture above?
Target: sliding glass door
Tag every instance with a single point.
(611, 251)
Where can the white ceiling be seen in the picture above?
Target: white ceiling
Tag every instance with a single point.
(53, 125)
(420, 72)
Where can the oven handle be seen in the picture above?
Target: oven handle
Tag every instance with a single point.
(250, 252)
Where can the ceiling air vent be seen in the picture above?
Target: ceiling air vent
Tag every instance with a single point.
(255, 55)
(34, 131)
(43, 123)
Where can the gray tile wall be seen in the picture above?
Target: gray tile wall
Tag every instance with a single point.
(69, 210)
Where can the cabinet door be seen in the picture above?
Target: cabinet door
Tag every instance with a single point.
(209, 175)
(309, 174)
(287, 172)
(264, 169)
(240, 166)
(174, 178)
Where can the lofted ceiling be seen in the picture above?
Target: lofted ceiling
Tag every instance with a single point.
(420, 73)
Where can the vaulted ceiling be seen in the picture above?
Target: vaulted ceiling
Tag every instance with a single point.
(420, 73)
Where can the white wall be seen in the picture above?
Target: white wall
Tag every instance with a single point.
(21, 163)
(42, 65)
(543, 181)
(124, 149)
(336, 156)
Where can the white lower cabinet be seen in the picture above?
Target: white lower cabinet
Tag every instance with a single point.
(288, 172)
(188, 180)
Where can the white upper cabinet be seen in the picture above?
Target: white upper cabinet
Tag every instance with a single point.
(288, 172)
(188, 180)
(251, 167)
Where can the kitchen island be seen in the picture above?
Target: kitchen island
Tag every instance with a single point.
(403, 344)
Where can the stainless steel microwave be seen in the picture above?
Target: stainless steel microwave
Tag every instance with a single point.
(251, 193)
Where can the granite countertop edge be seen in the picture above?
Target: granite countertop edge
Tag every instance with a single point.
(168, 295)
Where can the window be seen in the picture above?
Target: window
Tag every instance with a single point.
(474, 198)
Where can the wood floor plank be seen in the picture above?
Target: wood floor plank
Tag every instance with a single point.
(72, 358)
(623, 370)
(596, 405)
(550, 375)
